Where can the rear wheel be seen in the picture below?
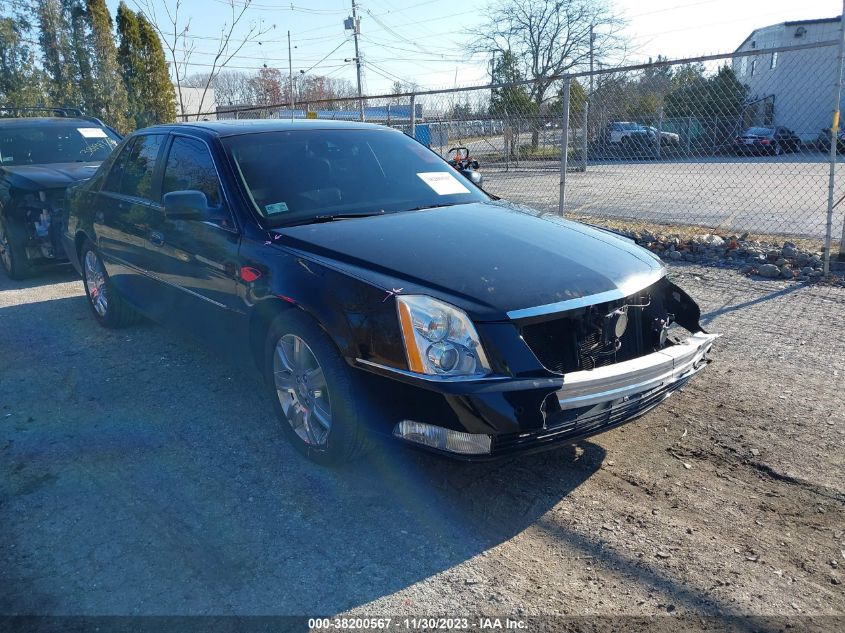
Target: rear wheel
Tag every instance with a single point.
(12, 250)
(108, 306)
(778, 149)
(313, 391)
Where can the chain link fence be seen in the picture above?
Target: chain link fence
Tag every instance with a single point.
(721, 156)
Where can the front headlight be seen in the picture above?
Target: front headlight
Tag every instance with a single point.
(440, 339)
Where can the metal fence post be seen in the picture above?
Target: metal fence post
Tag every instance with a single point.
(413, 116)
(584, 139)
(834, 133)
(564, 147)
(659, 132)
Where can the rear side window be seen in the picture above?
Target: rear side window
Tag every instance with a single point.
(139, 169)
(112, 182)
(190, 166)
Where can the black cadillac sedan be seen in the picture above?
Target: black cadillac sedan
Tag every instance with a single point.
(381, 294)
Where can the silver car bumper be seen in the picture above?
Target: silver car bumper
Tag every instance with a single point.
(626, 379)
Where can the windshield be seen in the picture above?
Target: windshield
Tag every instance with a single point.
(43, 144)
(760, 131)
(295, 176)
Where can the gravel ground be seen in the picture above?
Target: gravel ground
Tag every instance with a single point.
(142, 474)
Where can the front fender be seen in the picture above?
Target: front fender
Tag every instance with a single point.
(360, 318)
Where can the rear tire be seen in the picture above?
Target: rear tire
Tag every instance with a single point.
(12, 250)
(317, 388)
(108, 307)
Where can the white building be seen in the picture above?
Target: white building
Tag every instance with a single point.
(791, 88)
(194, 102)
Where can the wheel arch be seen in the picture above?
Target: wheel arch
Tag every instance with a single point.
(261, 317)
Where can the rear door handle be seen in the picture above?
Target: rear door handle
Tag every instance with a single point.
(156, 238)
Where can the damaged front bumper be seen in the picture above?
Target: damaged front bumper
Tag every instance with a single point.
(623, 380)
(553, 388)
(493, 417)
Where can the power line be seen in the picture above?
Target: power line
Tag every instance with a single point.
(326, 57)
(288, 7)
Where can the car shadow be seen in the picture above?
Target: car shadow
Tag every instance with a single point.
(142, 475)
(46, 276)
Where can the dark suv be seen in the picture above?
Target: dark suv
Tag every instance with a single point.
(40, 157)
(379, 292)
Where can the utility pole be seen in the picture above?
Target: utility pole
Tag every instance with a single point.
(834, 137)
(290, 79)
(356, 30)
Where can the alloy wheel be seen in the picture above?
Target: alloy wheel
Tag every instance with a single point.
(302, 390)
(95, 283)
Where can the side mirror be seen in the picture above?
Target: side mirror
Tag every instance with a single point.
(473, 176)
(186, 205)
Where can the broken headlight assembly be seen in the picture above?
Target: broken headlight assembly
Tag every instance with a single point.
(41, 217)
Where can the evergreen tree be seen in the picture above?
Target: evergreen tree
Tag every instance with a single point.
(161, 95)
(108, 100)
(20, 83)
(80, 50)
(131, 62)
(152, 98)
(57, 55)
(509, 101)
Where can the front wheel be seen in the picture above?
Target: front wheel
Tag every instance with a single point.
(12, 251)
(109, 308)
(313, 391)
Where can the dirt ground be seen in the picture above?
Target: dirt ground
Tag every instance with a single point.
(142, 474)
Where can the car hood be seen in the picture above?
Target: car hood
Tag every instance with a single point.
(487, 258)
(53, 176)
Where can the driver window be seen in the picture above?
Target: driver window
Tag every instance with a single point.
(190, 166)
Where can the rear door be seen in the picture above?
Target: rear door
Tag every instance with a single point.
(122, 216)
(197, 260)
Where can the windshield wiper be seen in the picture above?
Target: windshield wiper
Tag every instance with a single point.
(436, 206)
(330, 217)
(344, 216)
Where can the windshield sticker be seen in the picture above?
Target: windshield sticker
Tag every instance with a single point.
(443, 183)
(92, 132)
(276, 207)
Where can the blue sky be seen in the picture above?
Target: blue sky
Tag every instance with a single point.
(423, 40)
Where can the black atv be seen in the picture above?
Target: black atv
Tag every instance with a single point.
(467, 166)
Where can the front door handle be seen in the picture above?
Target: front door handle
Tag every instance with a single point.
(156, 238)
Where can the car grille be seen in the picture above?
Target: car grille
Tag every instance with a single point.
(570, 342)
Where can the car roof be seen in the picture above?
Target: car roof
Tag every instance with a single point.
(233, 127)
(30, 121)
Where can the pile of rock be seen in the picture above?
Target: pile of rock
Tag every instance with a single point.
(767, 259)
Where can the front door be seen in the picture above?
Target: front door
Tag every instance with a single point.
(197, 261)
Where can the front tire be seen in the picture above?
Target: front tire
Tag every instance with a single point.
(313, 393)
(109, 308)
(12, 251)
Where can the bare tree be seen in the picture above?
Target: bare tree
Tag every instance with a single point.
(180, 45)
(549, 38)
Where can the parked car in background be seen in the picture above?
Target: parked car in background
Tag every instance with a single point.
(823, 140)
(666, 138)
(381, 294)
(620, 132)
(40, 157)
(766, 140)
